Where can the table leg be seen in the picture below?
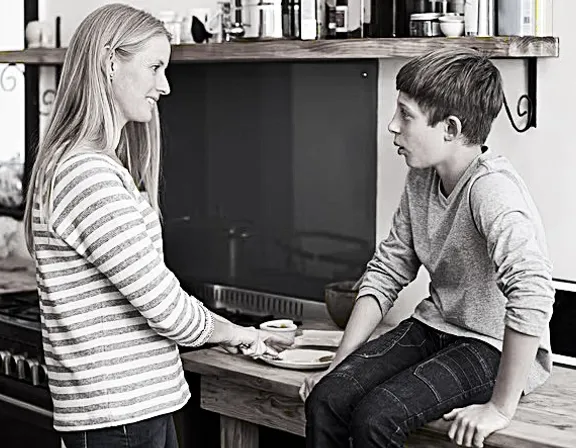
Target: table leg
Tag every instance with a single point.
(235, 433)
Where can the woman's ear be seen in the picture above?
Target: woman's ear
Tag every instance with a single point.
(110, 62)
(453, 128)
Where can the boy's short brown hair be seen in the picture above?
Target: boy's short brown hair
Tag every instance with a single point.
(459, 82)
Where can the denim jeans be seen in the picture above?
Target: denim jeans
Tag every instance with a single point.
(395, 384)
(157, 432)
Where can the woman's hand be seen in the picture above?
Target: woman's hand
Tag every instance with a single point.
(256, 342)
(472, 424)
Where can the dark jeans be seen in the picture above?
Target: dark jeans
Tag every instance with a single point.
(157, 432)
(397, 383)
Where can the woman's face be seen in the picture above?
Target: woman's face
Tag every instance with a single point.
(138, 83)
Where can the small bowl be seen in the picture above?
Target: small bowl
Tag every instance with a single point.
(452, 28)
(285, 327)
(451, 18)
(340, 298)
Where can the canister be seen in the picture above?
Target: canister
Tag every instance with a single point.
(425, 25)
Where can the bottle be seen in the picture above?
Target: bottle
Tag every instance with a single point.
(405, 9)
(544, 16)
(486, 18)
(382, 18)
(471, 17)
(341, 19)
(516, 18)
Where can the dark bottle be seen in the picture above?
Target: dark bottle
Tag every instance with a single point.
(404, 9)
(330, 21)
(382, 18)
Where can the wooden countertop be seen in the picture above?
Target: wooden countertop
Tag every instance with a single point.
(286, 50)
(545, 418)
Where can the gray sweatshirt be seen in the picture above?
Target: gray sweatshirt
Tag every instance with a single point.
(484, 248)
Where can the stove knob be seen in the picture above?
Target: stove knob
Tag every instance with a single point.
(34, 367)
(6, 362)
(19, 367)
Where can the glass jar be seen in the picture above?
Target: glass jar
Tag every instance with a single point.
(425, 25)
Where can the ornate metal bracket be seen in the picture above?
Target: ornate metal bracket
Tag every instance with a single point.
(8, 81)
(47, 100)
(526, 105)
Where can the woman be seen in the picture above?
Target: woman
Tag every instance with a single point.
(112, 313)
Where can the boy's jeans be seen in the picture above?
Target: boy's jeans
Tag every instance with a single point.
(396, 383)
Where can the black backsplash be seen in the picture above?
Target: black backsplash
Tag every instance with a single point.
(562, 324)
(270, 173)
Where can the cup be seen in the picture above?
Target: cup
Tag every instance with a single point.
(284, 327)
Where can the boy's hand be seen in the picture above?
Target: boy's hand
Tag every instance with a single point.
(310, 382)
(472, 424)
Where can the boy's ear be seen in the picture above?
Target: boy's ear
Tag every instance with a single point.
(453, 128)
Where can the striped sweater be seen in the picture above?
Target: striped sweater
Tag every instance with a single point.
(112, 314)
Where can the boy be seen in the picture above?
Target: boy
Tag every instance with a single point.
(481, 339)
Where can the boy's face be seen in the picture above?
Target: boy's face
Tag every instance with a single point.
(422, 146)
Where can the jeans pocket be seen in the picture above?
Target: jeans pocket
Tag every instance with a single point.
(382, 345)
(454, 371)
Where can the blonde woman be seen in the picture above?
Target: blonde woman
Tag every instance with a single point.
(112, 313)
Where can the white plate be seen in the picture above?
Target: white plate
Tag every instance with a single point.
(303, 359)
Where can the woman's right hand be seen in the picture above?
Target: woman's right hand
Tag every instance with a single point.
(255, 342)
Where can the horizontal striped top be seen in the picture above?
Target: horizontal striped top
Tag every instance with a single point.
(112, 314)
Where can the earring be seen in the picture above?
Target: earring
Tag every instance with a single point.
(111, 76)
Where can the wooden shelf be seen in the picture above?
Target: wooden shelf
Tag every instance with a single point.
(290, 50)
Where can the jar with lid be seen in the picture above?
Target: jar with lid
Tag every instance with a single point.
(391, 18)
(425, 25)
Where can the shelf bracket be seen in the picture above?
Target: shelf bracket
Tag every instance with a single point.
(8, 81)
(526, 105)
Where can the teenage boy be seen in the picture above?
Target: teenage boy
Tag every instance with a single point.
(481, 338)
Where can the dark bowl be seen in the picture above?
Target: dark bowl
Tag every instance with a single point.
(339, 298)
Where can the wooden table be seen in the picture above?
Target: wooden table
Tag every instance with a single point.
(248, 393)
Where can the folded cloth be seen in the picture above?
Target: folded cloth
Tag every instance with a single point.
(259, 349)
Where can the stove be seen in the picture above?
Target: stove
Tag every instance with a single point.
(20, 309)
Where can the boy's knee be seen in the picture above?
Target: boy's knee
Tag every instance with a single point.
(329, 398)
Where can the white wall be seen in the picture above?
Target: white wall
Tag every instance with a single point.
(545, 156)
(12, 101)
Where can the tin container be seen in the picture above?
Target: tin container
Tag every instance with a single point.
(425, 25)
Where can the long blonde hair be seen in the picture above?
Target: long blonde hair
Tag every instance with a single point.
(84, 113)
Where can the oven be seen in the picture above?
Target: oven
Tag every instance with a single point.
(25, 404)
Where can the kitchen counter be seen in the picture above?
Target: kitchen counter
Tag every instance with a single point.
(248, 393)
